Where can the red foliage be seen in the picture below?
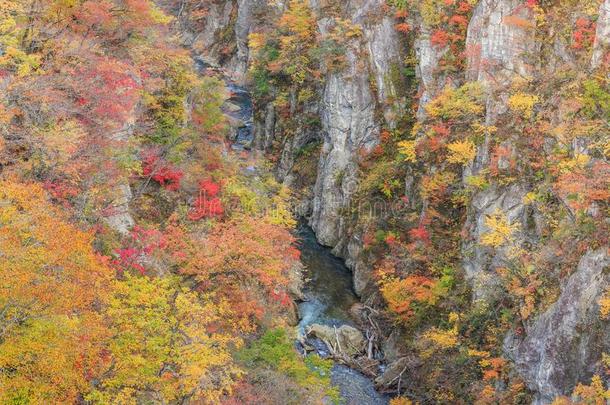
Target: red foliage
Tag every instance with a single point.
(584, 35)
(61, 190)
(581, 187)
(385, 136)
(420, 234)
(141, 243)
(459, 20)
(160, 171)
(281, 297)
(439, 38)
(210, 188)
(109, 91)
(368, 239)
(207, 205)
(128, 258)
(403, 27)
(464, 7)
(403, 13)
(441, 130)
(391, 239)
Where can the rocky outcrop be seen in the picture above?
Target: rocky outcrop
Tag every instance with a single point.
(221, 39)
(496, 48)
(207, 40)
(601, 47)
(342, 340)
(497, 52)
(481, 261)
(350, 124)
(563, 346)
(119, 218)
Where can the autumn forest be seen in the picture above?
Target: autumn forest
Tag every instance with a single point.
(304, 202)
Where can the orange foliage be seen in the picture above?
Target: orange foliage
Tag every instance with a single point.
(248, 260)
(52, 287)
(402, 295)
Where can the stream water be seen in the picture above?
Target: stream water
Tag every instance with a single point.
(328, 288)
(328, 297)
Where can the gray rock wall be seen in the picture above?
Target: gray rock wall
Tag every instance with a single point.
(563, 345)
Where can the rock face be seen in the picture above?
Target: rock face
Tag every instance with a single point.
(222, 40)
(564, 344)
(119, 218)
(601, 47)
(480, 261)
(496, 51)
(349, 124)
(496, 47)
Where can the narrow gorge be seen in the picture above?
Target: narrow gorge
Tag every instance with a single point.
(305, 202)
(386, 69)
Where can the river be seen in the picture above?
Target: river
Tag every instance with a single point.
(329, 295)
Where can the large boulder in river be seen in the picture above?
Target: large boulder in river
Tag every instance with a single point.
(344, 339)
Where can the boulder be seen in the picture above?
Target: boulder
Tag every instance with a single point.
(344, 339)
(392, 373)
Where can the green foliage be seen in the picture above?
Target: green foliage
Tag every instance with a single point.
(167, 106)
(275, 350)
(596, 99)
(460, 103)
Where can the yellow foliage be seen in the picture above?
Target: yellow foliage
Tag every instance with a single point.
(578, 162)
(529, 198)
(481, 129)
(523, 103)
(453, 317)
(280, 213)
(400, 401)
(606, 360)
(407, 149)
(401, 293)
(461, 152)
(445, 339)
(500, 230)
(51, 287)
(595, 393)
(478, 353)
(13, 57)
(256, 41)
(436, 184)
(476, 181)
(463, 102)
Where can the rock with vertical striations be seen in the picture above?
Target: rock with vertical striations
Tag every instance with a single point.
(564, 345)
(601, 47)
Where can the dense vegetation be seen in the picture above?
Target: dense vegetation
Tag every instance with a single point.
(190, 295)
